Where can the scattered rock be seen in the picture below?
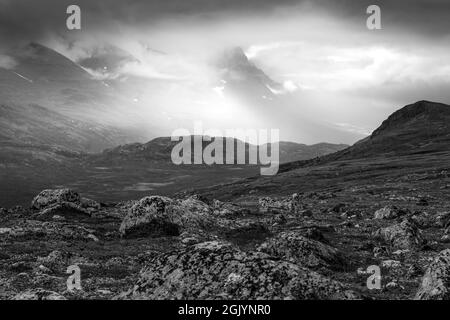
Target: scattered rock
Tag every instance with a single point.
(314, 233)
(414, 271)
(393, 285)
(5, 231)
(92, 237)
(445, 238)
(39, 294)
(227, 210)
(436, 281)
(391, 264)
(278, 219)
(89, 204)
(404, 235)
(56, 261)
(423, 220)
(306, 252)
(305, 213)
(380, 251)
(65, 210)
(389, 212)
(338, 208)
(422, 202)
(442, 219)
(269, 205)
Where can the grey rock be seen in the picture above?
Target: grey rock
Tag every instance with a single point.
(39, 294)
(436, 281)
(389, 212)
(217, 270)
(50, 197)
(404, 235)
(157, 216)
(306, 252)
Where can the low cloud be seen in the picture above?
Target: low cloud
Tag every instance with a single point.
(6, 62)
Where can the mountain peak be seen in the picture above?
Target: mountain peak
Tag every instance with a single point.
(234, 58)
(423, 111)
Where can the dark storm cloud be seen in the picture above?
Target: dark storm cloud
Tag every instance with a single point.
(25, 20)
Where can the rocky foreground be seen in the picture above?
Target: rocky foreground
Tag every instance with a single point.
(307, 245)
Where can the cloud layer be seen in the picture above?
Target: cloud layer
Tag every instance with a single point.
(331, 66)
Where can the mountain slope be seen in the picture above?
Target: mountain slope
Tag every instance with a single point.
(413, 141)
(42, 76)
(422, 127)
(419, 128)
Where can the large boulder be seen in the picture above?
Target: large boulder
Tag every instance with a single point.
(157, 216)
(306, 252)
(63, 202)
(389, 212)
(404, 235)
(436, 281)
(50, 197)
(217, 270)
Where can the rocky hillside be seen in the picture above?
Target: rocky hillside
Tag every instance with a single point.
(419, 128)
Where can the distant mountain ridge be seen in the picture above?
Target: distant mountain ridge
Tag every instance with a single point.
(160, 149)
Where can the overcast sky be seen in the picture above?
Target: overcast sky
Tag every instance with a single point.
(350, 76)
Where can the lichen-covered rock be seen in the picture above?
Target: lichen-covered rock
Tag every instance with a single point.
(442, 219)
(48, 230)
(161, 216)
(39, 294)
(89, 204)
(314, 233)
(52, 197)
(65, 210)
(404, 235)
(62, 202)
(306, 252)
(436, 281)
(217, 270)
(291, 204)
(268, 204)
(227, 210)
(389, 212)
(55, 261)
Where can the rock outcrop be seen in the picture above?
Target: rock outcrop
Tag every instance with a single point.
(436, 281)
(48, 198)
(63, 202)
(404, 235)
(389, 212)
(305, 252)
(156, 216)
(217, 270)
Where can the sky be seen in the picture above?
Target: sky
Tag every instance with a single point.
(332, 67)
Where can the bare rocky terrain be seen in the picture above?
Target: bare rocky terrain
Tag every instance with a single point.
(309, 232)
